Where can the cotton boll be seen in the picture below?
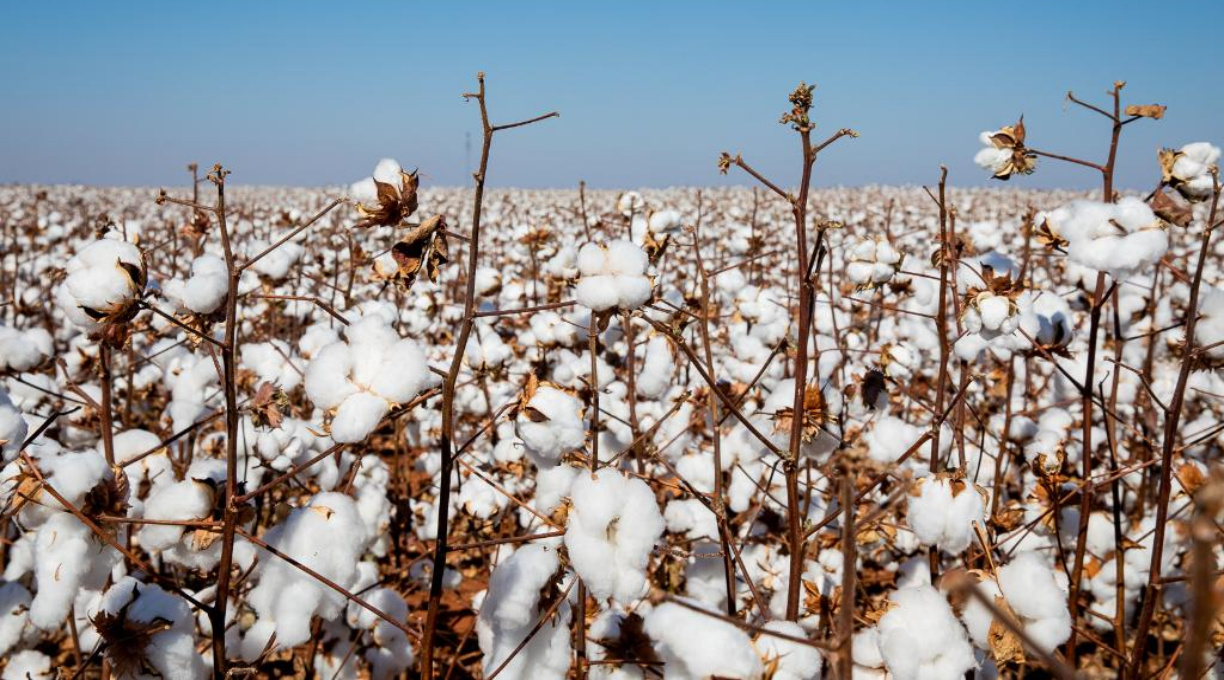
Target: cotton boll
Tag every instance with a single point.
(1191, 169)
(794, 660)
(14, 620)
(171, 651)
(921, 638)
(511, 609)
(1038, 597)
(665, 222)
(364, 376)
(208, 287)
(23, 350)
(550, 425)
(695, 646)
(69, 558)
(612, 276)
(13, 429)
(630, 203)
(944, 512)
(185, 500)
(1208, 331)
(658, 366)
(103, 281)
(328, 536)
(1118, 238)
(612, 529)
(872, 263)
(28, 665)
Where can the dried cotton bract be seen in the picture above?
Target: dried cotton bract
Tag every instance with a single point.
(1005, 154)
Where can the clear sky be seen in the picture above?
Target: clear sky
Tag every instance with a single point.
(306, 93)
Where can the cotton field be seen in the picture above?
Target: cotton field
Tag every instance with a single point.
(395, 430)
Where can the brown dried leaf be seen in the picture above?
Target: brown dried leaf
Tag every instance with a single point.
(1005, 645)
(1153, 111)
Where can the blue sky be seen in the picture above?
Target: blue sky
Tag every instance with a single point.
(305, 93)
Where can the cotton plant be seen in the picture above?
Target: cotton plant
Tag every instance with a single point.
(1034, 593)
(362, 377)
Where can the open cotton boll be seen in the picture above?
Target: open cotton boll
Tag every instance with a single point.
(612, 276)
(550, 425)
(365, 191)
(511, 608)
(1038, 597)
(273, 362)
(69, 558)
(328, 536)
(103, 282)
(695, 646)
(872, 262)
(612, 528)
(890, 437)
(920, 638)
(1208, 331)
(790, 660)
(169, 653)
(277, 263)
(630, 203)
(1117, 238)
(665, 222)
(990, 157)
(689, 517)
(13, 429)
(185, 500)
(658, 366)
(14, 619)
(364, 376)
(943, 512)
(1191, 170)
(390, 653)
(205, 291)
(28, 664)
(22, 350)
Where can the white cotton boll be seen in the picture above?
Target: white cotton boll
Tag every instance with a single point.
(943, 514)
(665, 222)
(694, 646)
(23, 350)
(511, 609)
(13, 429)
(867, 656)
(272, 362)
(14, 620)
(1208, 331)
(1038, 597)
(1118, 238)
(872, 262)
(658, 367)
(592, 259)
(327, 382)
(995, 311)
(28, 665)
(890, 437)
(689, 517)
(921, 638)
(553, 485)
(65, 550)
(989, 157)
(630, 203)
(612, 529)
(185, 500)
(328, 536)
(794, 660)
(208, 286)
(365, 375)
(170, 653)
(98, 282)
(1192, 170)
(551, 425)
(357, 417)
(612, 276)
(316, 337)
(277, 263)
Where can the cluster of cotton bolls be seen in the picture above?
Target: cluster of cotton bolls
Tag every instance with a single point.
(619, 431)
